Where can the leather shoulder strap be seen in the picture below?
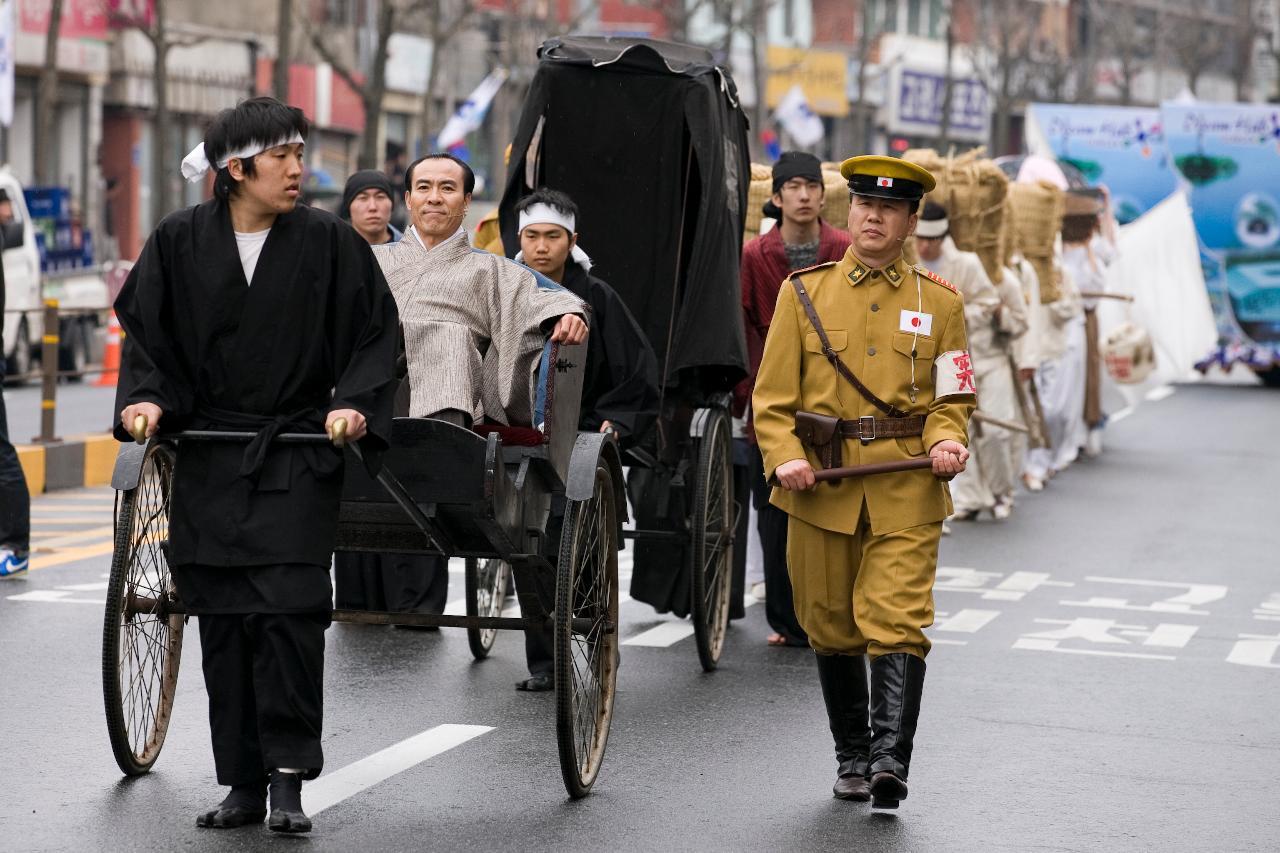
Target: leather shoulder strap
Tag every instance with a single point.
(840, 367)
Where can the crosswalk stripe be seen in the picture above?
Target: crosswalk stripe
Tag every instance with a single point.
(662, 635)
(344, 783)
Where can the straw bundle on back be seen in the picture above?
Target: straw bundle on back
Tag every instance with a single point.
(1036, 210)
(973, 190)
(835, 198)
(758, 192)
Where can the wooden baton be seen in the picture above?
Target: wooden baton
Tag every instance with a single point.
(872, 468)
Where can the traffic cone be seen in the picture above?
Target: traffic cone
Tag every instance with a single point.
(111, 355)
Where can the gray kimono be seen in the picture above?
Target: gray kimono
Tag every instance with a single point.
(474, 326)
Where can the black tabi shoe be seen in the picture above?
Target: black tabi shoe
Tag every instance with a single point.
(245, 805)
(536, 683)
(897, 682)
(286, 804)
(844, 691)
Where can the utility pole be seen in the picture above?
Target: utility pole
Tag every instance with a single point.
(47, 101)
(280, 71)
(944, 125)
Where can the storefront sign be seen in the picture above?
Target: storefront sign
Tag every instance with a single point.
(916, 105)
(822, 74)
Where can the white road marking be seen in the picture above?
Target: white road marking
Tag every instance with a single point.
(332, 788)
(661, 636)
(1155, 395)
(61, 597)
(1117, 417)
(967, 621)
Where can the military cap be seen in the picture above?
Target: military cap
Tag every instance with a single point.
(886, 177)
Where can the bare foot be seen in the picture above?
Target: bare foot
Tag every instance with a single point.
(776, 640)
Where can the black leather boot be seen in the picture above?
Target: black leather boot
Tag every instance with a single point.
(245, 804)
(897, 680)
(844, 690)
(286, 803)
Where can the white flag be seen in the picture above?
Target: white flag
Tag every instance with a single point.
(7, 35)
(798, 120)
(470, 113)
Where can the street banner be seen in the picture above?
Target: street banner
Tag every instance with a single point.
(1122, 147)
(471, 112)
(7, 35)
(1228, 157)
(798, 120)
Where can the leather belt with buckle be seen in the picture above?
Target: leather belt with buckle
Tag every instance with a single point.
(867, 429)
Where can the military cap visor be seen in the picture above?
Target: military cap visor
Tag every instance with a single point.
(886, 177)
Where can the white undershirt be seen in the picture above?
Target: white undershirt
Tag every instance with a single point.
(250, 246)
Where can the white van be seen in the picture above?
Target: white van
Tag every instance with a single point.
(24, 297)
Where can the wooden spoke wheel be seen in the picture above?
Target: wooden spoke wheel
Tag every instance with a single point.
(141, 636)
(487, 584)
(711, 546)
(586, 633)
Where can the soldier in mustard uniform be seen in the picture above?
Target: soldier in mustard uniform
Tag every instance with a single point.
(894, 369)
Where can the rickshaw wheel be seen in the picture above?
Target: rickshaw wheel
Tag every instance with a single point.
(586, 633)
(711, 551)
(487, 582)
(141, 638)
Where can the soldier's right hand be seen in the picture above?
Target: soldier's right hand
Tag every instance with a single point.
(796, 475)
(149, 410)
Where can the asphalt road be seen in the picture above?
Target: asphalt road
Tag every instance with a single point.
(1101, 680)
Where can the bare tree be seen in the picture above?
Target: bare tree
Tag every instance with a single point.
(1002, 58)
(446, 21)
(156, 31)
(1243, 37)
(47, 99)
(373, 88)
(1196, 45)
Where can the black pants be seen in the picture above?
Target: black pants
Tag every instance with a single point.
(771, 522)
(264, 673)
(394, 583)
(15, 500)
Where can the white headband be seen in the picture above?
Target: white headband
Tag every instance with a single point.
(196, 164)
(545, 214)
(932, 229)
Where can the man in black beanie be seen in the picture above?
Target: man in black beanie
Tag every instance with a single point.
(801, 239)
(367, 200)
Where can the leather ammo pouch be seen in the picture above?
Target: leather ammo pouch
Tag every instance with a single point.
(821, 434)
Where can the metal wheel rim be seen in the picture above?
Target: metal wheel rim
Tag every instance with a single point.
(492, 579)
(149, 649)
(713, 541)
(594, 653)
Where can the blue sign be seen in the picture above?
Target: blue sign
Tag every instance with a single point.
(1228, 156)
(1122, 147)
(920, 98)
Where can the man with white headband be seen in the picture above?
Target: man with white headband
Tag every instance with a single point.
(249, 312)
(995, 315)
(620, 390)
(474, 323)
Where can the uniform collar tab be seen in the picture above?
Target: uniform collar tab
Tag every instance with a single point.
(893, 272)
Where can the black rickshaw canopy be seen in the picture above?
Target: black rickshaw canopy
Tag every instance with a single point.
(649, 140)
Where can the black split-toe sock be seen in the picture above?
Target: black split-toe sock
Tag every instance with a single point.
(286, 804)
(246, 804)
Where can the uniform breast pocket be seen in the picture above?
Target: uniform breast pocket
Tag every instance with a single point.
(839, 339)
(925, 348)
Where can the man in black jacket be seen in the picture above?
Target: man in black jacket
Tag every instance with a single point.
(620, 390)
(15, 502)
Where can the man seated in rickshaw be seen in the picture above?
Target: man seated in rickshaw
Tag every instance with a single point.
(474, 323)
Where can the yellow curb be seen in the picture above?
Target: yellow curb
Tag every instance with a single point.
(32, 458)
(99, 459)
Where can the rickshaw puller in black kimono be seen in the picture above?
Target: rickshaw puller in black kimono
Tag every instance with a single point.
(252, 313)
